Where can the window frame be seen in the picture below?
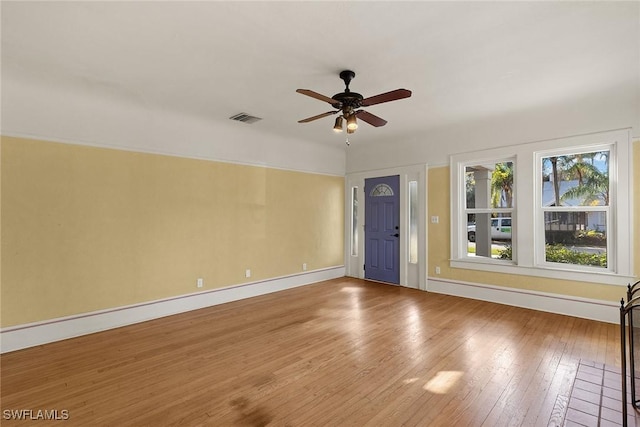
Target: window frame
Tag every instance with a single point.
(512, 212)
(540, 210)
(527, 186)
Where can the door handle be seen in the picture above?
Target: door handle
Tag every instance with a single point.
(396, 235)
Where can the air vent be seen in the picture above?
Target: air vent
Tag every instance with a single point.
(245, 118)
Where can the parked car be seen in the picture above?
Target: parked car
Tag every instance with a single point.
(500, 229)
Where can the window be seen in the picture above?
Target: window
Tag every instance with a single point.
(489, 208)
(574, 208)
(381, 190)
(354, 221)
(557, 208)
(413, 222)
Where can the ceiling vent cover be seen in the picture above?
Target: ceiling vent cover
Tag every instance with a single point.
(245, 118)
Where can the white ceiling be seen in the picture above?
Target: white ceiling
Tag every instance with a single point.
(463, 60)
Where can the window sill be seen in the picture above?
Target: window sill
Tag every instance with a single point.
(604, 277)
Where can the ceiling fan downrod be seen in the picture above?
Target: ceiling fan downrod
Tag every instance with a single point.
(347, 76)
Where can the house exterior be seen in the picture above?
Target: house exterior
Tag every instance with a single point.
(571, 221)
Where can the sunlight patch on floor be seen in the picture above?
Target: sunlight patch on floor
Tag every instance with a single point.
(443, 381)
(351, 289)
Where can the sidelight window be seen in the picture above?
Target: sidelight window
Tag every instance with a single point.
(413, 222)
(354, 221)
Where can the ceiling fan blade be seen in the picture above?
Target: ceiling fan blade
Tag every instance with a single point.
(319, 116)
(372, 119)
(317, 95)
(386, 97)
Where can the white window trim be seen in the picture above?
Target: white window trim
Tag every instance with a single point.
(512, 212)
(610, 210)
(527, 182)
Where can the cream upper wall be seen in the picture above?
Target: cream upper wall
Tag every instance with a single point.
(87, 228)
(34, 109)
(616, 108)
(440, 247)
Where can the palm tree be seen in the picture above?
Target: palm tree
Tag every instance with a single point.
(555, 179)
(576, 165)
(502, 185)
(470, 185)
(593, 188)
(593, 182)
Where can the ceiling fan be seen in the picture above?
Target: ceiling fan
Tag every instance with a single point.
(348, 103)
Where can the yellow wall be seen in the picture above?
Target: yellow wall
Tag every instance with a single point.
(440, 248)
(87, 228)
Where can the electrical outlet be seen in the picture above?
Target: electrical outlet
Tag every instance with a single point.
(435, 219)
(437, 269)
(200, 282)
(247, 272)
(304, 266)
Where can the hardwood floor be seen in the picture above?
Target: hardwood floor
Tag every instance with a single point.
(339, 353)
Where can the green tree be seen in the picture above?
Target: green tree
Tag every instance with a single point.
(592, 187)
(593, 183)
(556, 166)
(470, 185)
(502, 185)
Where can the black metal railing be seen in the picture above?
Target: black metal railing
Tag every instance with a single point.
(630, 333)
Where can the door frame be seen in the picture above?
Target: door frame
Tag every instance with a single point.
(411, 275)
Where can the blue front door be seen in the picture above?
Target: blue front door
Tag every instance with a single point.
(382, 229)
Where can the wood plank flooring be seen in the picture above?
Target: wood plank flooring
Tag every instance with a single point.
(344, 352)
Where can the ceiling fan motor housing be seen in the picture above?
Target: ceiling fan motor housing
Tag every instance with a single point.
(347, 100)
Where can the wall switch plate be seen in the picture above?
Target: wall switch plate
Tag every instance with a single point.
(200, 282)
(435, 219)
(247, 272)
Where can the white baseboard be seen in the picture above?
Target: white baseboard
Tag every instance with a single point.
(604, 311)
(37, 333)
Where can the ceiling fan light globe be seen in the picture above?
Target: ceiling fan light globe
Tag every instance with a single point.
(337, 128)
(352, 123)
